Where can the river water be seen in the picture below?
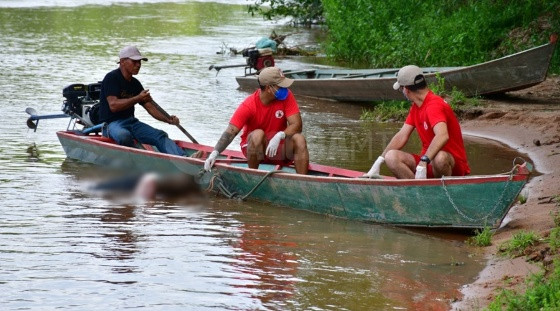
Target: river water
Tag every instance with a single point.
(65, 247)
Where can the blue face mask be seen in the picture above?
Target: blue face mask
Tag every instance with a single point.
(281, 93)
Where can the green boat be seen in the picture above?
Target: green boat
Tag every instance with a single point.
(513, 72)
(451, 202)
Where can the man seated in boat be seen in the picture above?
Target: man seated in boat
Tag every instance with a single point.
(271, 124)
(443, 152)
(120, 92)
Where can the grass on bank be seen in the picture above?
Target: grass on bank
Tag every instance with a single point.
(519, 243)
(542, 290)
(481, 238)
(543, 293)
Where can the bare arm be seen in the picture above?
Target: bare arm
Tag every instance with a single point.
(440, 139)
(152, 109)
(116, 104)
(400, 139)
(295, 125)
(227, 137)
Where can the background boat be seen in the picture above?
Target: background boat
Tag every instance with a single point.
(509, 73)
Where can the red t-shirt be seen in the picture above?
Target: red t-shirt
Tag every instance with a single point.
(434, 110)
(252, 114)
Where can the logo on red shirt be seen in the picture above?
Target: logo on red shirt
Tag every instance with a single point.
(279, 114)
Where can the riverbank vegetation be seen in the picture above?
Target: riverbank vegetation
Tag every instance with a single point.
(542, 290)
(383, 34)
(302, 12)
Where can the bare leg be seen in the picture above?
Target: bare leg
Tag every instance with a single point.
(443, 164)
(256, 142)
(401, 164)
(296, 149)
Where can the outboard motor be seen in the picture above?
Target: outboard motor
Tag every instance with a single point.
(259, 58)
(81, 104)
(82, 101)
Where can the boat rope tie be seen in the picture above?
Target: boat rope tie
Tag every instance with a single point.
(217, 181)
(464, 215)
(221, 188)
(259, 183)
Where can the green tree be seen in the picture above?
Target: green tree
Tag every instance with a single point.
(305, 12)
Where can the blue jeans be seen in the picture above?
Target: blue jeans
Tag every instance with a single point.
(124, 132)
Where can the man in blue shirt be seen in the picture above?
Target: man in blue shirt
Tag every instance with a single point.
(120, 92)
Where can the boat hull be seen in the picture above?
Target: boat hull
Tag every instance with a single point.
(453, 202)
(510, 73)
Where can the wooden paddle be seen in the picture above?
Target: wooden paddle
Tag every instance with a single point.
(178, 125)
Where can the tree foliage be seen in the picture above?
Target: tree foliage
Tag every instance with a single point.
(382, 34)
(301, 11)
(436, 33)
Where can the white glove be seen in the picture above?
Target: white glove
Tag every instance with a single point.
(273, 144)
(420, 172)
(374, 170)
(211, 160)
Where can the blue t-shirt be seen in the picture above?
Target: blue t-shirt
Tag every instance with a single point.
(114, 84)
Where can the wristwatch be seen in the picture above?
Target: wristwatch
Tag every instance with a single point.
(425, 158)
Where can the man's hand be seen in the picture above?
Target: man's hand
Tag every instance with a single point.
(210, 161)
(374, 170)
(273, 144)
(173, 120)
(144, 96)
(421, 172)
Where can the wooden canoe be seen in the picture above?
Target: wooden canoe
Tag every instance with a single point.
(509, 73)
(451, 202)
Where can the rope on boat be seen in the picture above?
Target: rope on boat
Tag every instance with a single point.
(259, 183)
(217, 181)
(458, 210)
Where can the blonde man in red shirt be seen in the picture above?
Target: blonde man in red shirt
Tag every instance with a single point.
(271, 124)
(443, 152)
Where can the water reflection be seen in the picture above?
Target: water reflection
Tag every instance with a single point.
(345, 264)
(270, 261)
(33, 153)
(122, 242)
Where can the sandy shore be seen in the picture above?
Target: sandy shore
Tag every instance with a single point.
(529, 121)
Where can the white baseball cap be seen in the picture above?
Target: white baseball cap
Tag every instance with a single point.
(409, 75)
(131, 52)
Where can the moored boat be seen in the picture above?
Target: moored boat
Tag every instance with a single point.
(450, 202)
(513, 72)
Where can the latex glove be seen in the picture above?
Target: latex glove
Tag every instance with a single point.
(273, 144)
(211, 160)
(374, 170)
(421, 172)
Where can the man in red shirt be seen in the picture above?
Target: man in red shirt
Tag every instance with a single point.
(443, 152)
(271, 124)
